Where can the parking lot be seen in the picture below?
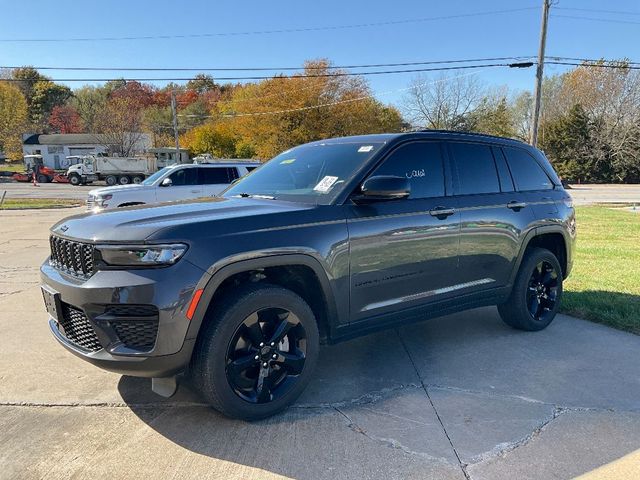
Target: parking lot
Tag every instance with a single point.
(458, 397)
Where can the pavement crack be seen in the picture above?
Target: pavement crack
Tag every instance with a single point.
(461, 464)
(365, 399)
(389, 442)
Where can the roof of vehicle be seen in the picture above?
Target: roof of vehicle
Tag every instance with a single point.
(217, 164)
(427, 133)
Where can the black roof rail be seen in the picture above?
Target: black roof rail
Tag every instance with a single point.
(465, 132)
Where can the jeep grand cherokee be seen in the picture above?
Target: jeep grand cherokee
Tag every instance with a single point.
(327, 241)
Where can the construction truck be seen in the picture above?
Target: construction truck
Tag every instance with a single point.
(113, 170)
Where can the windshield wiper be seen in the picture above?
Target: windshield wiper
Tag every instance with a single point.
(254, 195)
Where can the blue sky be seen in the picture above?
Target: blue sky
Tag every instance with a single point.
(505, 34)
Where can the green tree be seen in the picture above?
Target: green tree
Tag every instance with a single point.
(202, 83)
(13, 120)
(89, 102)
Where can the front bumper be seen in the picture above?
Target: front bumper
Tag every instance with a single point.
(167, 291)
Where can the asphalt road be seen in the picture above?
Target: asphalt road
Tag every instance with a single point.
(461, 397)
(582, 194)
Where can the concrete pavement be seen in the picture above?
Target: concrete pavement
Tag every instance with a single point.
(458, 397)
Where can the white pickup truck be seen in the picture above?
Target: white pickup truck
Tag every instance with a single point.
(173, 183)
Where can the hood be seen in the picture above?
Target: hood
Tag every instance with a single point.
(136, 224)
(117, 188)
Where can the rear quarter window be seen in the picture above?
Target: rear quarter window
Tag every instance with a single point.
(527, 173)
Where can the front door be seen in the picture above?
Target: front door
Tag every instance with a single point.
(404, 253)
(184, 185)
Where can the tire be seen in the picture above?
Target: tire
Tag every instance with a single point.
(42, 178)
(111, 180)
(75, 180)
(138, 179)
(537, 288)
(231, 325)
(124, 180)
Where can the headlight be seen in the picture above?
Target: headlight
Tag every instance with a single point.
(140, 256)
(100, 199)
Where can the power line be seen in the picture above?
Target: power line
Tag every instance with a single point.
(622, 66)
(594, 19)
(312, 67)
(595, 10)
(267, 32)
(312, 75)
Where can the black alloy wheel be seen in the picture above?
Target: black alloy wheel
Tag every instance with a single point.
(543, 291)
(266, 355)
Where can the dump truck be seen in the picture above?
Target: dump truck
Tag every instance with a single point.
(113, 170)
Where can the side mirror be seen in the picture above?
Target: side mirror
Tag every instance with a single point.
(167, 182)
(383, 188)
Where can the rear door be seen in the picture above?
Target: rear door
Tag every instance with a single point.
(404, 253)
(215, 179)
(184, 185)
(493, 216)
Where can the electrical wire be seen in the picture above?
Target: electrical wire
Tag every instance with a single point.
(595, 10)
(268, 32)
(270, 77)
(311, 67)
(593, 19)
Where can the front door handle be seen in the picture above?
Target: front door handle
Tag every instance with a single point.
(441, 212)
(516, 205)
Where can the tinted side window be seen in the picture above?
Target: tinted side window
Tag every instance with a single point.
(421, 163)
(216, 175)
(184, 176)
(476, 168)
(526, 172)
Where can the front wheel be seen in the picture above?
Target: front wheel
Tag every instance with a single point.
(537, 291)
(74, 179)
(256, 353)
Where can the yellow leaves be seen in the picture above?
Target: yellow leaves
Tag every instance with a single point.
(13, 120)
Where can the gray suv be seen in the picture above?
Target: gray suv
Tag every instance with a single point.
(327, 241)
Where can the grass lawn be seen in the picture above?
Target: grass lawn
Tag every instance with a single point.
(23, 203)
(604, 285)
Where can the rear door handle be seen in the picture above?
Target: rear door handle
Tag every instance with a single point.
(441, 212)
(516, 205)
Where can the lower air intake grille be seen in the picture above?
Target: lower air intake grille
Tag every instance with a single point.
(77, 329)
(139, 334)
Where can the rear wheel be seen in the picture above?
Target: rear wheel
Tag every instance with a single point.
(536, 294)
(138, 179)
(42, 178)
(257, 353)
(111, 180)
(124, 180)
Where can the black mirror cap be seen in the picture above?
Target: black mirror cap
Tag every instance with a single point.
(383, 188)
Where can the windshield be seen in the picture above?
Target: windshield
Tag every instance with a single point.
(151, 180)
(313, 173)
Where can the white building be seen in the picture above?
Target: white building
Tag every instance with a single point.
(57, 147)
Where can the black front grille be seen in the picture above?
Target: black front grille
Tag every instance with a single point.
(138, 334)
(75, 258)
(77, 328)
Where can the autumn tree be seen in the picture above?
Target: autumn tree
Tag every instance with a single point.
(89, 102)
(13, 120)
(65, 119)
(120, 126)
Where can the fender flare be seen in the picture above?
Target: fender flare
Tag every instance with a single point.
(225, 268)
(530, 235)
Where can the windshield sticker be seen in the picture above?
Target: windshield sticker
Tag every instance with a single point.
(325, 184)
(288, 161)
(365, 148)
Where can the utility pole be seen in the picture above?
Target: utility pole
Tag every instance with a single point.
(546, 4)
(174, 114)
